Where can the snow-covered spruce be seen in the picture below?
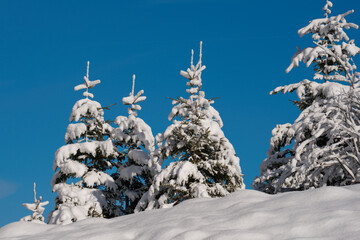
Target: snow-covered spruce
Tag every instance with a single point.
(331, 55)
(322, 146)
(135, 142)
(84, 187)
(37, 208)
(205, 161)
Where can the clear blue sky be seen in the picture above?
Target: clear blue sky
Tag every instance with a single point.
(44, 46)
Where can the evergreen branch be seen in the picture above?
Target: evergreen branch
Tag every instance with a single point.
(108, 107)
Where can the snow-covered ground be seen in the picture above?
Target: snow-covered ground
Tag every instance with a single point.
(325, 213)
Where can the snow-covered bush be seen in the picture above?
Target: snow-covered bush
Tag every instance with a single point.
(74, 203)
(81, 179)
(205, 161)
(322, 146)
(37, 208)
(135, 142)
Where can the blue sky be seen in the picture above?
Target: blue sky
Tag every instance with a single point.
(44, 46)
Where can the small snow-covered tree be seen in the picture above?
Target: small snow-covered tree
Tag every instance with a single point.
(82, 182)
(321, 147)
(37, 208)
(135, 142)
(205, 161)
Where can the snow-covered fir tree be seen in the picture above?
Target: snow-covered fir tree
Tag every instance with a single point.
(135, 142)
(82, 182)
(330, 40)
(322, 146)
(37, 208)
(205, 163)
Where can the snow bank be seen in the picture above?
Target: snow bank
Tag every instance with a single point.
(324, 213)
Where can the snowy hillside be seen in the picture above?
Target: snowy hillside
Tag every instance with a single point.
(325, 213)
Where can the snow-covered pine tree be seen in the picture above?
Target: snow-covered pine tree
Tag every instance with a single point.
(135, 142)
(205, 161)
(330, 39)
(84, 187)
(321, 147)
(37, 208)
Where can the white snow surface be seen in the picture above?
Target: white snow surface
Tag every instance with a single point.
(326, 213)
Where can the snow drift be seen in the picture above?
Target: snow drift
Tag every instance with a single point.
(324, 213)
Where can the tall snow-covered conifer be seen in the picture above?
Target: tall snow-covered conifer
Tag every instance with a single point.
(205, 161)
(135, 142)
(322, 146)
(84, 187)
